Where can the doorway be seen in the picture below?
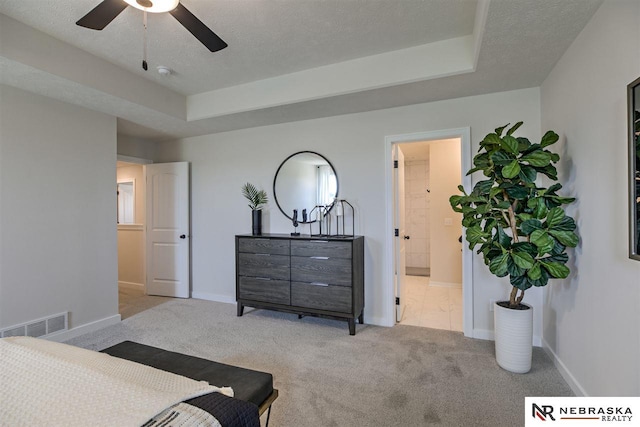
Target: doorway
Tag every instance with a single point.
(131, 217)
(432, 172)
(432, 281)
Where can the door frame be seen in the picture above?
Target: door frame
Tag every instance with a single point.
(464, 134)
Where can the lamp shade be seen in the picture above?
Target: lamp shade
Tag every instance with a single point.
(154, 6)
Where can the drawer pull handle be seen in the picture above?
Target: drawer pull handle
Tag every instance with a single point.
(319, 241)
(319, 284)
(262, 278)
(263, 254)
(319, 257)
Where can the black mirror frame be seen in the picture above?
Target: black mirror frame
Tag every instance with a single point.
(633, 92)
(275, 178)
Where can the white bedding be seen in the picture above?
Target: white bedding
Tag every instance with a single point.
(51, 384)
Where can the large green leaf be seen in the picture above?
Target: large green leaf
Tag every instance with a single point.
(567, 238)
(554, 217)
(520, 282)
(523, 144)
(511, 170)
(543, 280)
(538, 207)
(501, 129)
(549, 138)
(555, 269)
(528, 174)
(552, 190)
(566, 224)
(534, 273)
(514, 128)
(498, 265)
(491, 139)
(537, 158)
(502, 238)
(543, 241)
(514, 269)
(522, 259)
(510, 144)
(530, 225)
(483, 187)
(501, 158)
(528, 247)
(517, 192)
(475, 235)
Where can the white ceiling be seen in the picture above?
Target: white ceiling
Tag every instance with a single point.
(287, 60)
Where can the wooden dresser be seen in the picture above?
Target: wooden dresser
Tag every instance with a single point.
(321, 276)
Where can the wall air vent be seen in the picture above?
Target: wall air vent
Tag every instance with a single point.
(39, 328)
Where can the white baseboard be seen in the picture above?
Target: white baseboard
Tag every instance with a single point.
(484, 334)
(213, 297)
(445, 284)
(564, 371)
(131, 285)
(378, 321)
(84, 329)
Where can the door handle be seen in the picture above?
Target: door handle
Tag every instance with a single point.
(182, 236)
(407, 237)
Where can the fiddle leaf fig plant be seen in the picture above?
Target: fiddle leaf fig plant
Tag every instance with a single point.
(520, 229)
(257, 198)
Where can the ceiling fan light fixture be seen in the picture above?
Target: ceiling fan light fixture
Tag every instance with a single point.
(154, 6)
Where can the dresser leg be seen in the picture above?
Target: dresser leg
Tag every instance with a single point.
(240, 309)
(361, 318)
(352, 326)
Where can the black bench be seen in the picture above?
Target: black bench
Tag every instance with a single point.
(248, 385)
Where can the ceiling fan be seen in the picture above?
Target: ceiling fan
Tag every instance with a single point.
(108, 10)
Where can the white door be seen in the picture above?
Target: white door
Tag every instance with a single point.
(398, 219)
(168, 229)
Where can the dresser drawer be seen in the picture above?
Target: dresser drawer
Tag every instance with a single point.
(321, 248)
(264, 265)
(263, 246)
(322, 269)
(263, 289)
(321, 297)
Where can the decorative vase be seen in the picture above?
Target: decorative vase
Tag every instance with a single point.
(513, 336)
(256, 222)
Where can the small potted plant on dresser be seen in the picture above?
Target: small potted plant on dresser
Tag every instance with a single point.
(257, 200)
(520, 229)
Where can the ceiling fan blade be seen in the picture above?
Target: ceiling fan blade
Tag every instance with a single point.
(102, 14)
(198, 29)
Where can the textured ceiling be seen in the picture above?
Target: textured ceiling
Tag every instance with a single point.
(457, 48)
(266, 38)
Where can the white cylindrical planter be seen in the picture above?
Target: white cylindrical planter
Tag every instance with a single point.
(514, 338)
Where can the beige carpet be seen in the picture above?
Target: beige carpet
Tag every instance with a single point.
(401, 376)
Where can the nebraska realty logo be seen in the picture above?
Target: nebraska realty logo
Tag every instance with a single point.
(581, 410)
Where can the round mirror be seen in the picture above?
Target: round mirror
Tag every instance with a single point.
(305, 181)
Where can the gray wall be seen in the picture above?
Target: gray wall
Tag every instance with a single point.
(57, 210)
(591, 319)
(355, 145)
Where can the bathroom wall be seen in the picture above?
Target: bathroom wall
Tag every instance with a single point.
(445, 224)
(416, 173)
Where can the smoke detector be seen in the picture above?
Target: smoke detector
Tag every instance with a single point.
(163, 71)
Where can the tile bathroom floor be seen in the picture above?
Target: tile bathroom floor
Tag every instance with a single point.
(431, 306)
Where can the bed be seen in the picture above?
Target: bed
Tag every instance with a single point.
(129, 384)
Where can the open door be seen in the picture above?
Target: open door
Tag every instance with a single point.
(399, 226)
(168, 229)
